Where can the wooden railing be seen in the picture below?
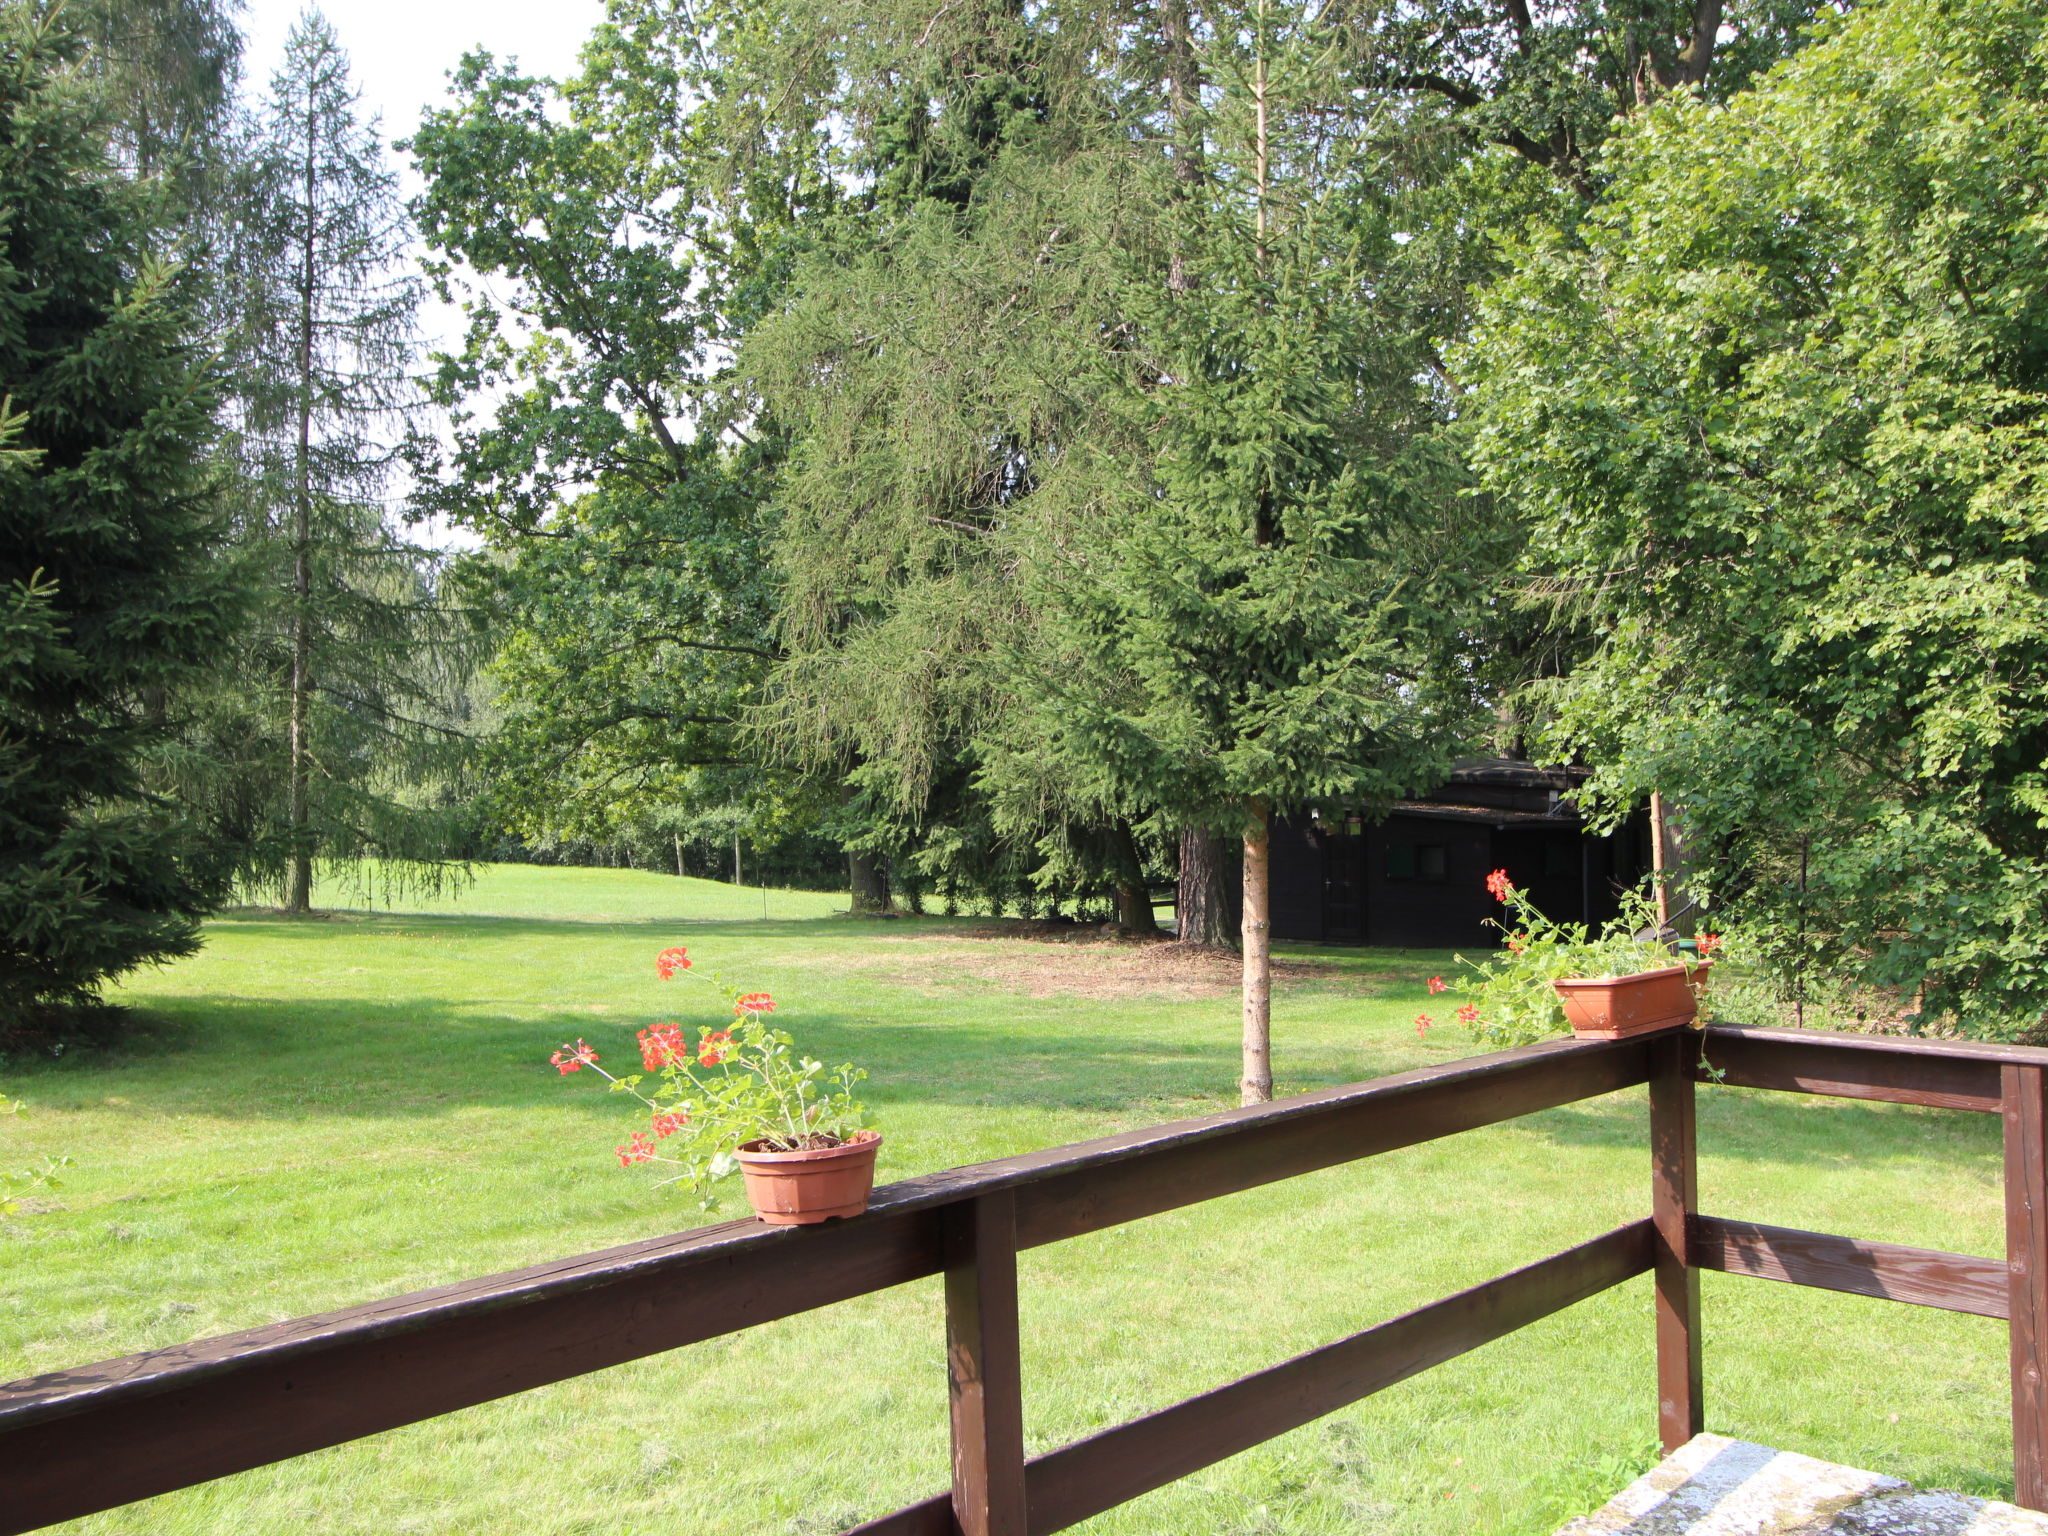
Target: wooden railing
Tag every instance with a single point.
(89, 1439)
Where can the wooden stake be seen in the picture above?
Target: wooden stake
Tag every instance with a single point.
(2026, 1249)
(1674, 1197)
(982, 1366)
(1256, 1086)
(1657, 862)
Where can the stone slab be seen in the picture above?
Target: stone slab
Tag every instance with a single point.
(1715, 1486)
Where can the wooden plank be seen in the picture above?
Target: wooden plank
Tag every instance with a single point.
(985, 1382)
(202, 1410)
(246, 1400)
(1081, 1480)
(2026, 1248)
(1674, 1196)
(1942, 1074)
(1926, 1277)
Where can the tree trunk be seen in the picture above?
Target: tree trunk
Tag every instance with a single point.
(298, 896)
(1183, 94)
(1256, 1087)
(870, 883)
(1205, 901)
(1133, 895)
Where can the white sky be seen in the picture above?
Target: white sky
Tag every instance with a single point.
(401, 53)
(403, 50)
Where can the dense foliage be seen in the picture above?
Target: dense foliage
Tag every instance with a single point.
(1777, 429)
(1024, 449)
(113, 592)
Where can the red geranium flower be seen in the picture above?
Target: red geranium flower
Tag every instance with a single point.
(1709, 942)
(1469, 1014)
(1498, 884)
(661, 1045)
(1422, 1023)
(669, 961)
(1517, 943)
(711, 1049)
(639, 1150)
(755, 1002)
(1436, 985)
(572, 1058)
(669, 1124)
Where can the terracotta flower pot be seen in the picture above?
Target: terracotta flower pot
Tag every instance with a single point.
(1615, 1007)
(793, 1189)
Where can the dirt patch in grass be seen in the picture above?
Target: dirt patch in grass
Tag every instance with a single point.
(1083, 963)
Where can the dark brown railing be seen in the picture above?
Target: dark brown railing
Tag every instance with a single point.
(83, 1440)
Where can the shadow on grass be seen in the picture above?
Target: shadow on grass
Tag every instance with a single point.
(1756, 1126)
(252, 1059)
(247, 1059)
(1393, 964)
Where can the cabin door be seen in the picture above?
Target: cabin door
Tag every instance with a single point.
(1344, 887)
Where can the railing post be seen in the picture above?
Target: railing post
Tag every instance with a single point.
(1674, 1198)
(2026, 1267)
(982, 1366)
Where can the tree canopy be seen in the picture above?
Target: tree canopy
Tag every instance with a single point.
(1776, 428)
(113, 592)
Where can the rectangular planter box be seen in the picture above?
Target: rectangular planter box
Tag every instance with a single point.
(1615, 1007)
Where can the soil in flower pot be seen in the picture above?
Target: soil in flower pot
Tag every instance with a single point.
(812, 1184)
(1615, 1007)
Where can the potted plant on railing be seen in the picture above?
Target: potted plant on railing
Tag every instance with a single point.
(742, 1099)
(1548, 976)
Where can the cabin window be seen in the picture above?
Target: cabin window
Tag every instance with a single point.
(1416, 861)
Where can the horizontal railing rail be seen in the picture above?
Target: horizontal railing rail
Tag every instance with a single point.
(78, 1441)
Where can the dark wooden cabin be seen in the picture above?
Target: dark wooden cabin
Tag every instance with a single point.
(1417, 877)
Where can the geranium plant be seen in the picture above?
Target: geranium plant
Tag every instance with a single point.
(740, 1087)
(1510, 999)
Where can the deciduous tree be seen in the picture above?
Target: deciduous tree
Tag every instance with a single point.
(1777, 429)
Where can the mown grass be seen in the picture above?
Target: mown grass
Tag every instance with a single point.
(325, 1112)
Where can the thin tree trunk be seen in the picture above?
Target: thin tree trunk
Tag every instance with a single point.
(738, 875)
(1259, 97)
(299, 877)
(1183, 94)
(1205, 904)
(1133, 896)
(1657, 872)
(678, 838)
(1256, 1087)
(869, 882)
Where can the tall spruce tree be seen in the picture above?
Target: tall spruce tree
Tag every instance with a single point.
(113, 593)
(1110, 476)
(350, 724)
(167, 72)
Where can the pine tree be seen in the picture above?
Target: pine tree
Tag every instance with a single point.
(355, 664)
(167, 72)
(113, 589)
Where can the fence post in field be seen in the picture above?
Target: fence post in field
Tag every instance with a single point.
(982, 1366)
(2026, 1253)
(1674, 1197)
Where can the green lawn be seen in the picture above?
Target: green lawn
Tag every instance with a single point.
(325, 1112)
